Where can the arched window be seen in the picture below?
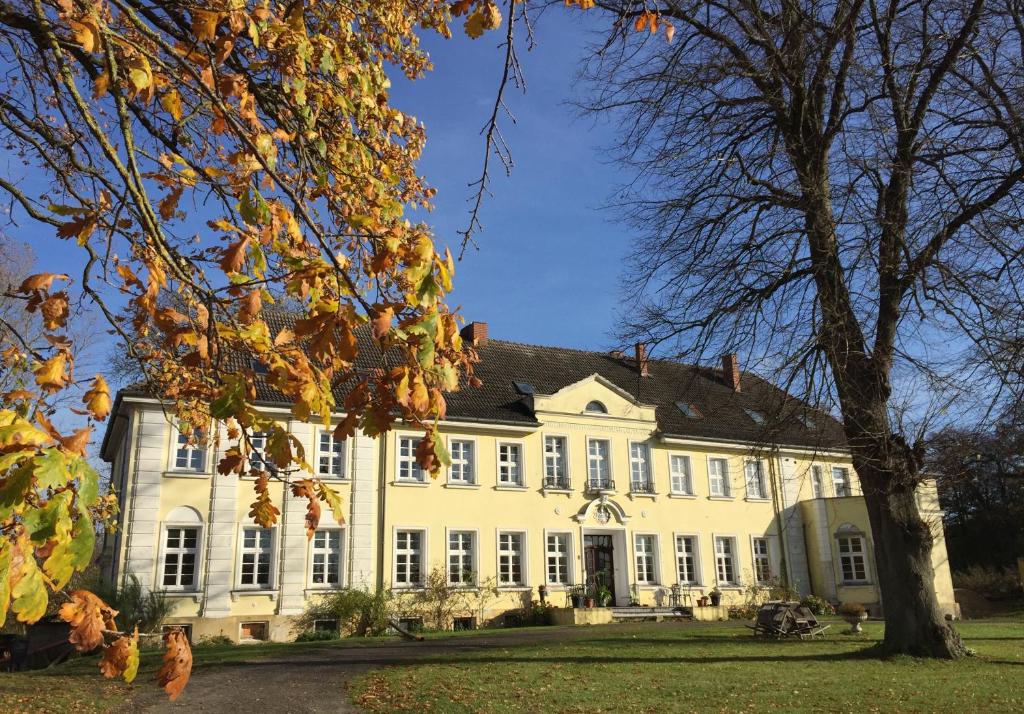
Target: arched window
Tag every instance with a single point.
(180, 550)
(595, 407)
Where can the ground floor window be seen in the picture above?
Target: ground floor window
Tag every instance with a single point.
(558, 558)
(257, 556)
(852, 560)
(510, 559)
(327, 551)
(762, 561)
(725, 560)
(686, 560)
(181, 551)
(461, 545)
(645, 565)
(408, 558)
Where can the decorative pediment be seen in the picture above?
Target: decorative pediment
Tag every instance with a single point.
(594, 397)
(602, 511)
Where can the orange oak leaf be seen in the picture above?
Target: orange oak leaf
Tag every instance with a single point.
(263, 512)
(40, 282)
(233, 257)
(305, 489)
(382, 317)
(97, 398)
(87, 615)
(176, 669)
(121, 657)
(52, 374)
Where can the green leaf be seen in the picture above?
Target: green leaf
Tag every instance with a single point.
(13, 488)
(51, 469)
(88, 481)
(10, 459)
(45, 523)
(6, 554)
(29, 595)
(72, 553)
(441, 453)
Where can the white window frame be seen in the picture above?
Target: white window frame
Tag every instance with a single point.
(609, 477)
(696, 580)
(523, 557)
(760, 465)
(570, 561)
(343, 538)
(765, 558)
(673, 474)
(332, 456)
(164, 550)
(240, 550)
(172, 465)
(817, 473)
(726, 478)
(265, 463)
(862, 553)
(734, 557)
(641, 463)
(472, 463)
(423, 562)
(499, 463)
(474, 556)
(565, 463)
(400, 460)
(847, 481)
(654, 556)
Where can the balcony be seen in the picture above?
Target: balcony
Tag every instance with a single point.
(557, 483)
(600, 485)
(642, 487)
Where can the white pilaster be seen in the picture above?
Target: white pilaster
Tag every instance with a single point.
(362, 530)
(143, 526)
(294, 543)
(220, 543)
(792, 528)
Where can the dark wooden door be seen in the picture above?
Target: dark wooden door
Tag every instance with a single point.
(598, 558)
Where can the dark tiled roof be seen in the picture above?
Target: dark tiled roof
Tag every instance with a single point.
(550, 369)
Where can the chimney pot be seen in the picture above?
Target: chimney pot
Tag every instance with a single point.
(475, 333)
(641, 360)
(731, 371)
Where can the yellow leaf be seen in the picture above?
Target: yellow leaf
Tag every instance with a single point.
(97, 399)
(171, 102)
(140, 73)
(485, 17)
(204, 25)
(52, 375)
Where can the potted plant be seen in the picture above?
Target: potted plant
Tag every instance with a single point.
(716, 597)
(588, 601)
(576, 595)
(604, 596)
(855, 614)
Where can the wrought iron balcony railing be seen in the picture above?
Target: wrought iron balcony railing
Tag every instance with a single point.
(641, 487)
(560, 483)
(599, 485)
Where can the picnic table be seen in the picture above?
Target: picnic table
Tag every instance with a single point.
(779, 619)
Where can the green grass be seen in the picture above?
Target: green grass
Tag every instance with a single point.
(701, 668)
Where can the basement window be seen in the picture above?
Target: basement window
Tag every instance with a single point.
(253, 631)
(186, 628)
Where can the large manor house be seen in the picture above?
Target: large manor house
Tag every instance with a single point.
(569, 468)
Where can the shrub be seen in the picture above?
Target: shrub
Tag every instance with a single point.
(215, 641)
(359, 613)
(317, 636)
(992, 583)
(818, 605)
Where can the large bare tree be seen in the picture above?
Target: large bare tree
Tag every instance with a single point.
(834, 187)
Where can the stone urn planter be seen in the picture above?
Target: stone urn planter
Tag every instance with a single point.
(855, 615)
(716, 598)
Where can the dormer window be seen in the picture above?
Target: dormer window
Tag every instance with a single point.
(524, 388)
(595, 407)
(756, 416)
(259, 367)
(690, 411)
(807, 421)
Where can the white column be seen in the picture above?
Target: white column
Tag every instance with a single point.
(294, 542)
(362, 527)
(143, 525)
(220, 541)
(792, 527)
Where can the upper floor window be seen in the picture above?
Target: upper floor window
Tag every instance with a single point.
(463, 468)
(841, 481)
(189, 454)
(598, 466)
(510, 464)
(817, 482)
(682, 479)
(326, 549)
(718, 477)
(257, 557)
(762, 561)
(852, 558)
(640, 468)
(556, 468)
(408, 468)
(596, 407)
(330, 456)
(754, 471)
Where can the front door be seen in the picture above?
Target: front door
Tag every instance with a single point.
(599, 563)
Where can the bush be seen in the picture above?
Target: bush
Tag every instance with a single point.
(215, 641)
(818, 605)
(317, 636)
(992, 583)
(360, 613)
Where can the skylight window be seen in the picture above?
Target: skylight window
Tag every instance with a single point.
(690, 411)
(756, 416)
(807, 421)
(596, 407)
(258, 367)
(524, 388)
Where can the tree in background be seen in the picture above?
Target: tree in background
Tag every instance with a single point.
(228, 153)
(835, 189)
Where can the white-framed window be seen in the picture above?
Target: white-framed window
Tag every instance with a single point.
(817, 482)
(725, 560)
(645, 549)
(463, 468)
(326, 558)
(510, 559)
(556, 462)
(640, 468)
(408, 468)
(762, 561)
(462, 557)
(852, 558)
(595, 407)
(256, 563)
(686, 560)
(510, 464)
(682, 474)
(599, 470)
(179, 569)
(754, 473)
(558, 556)
(257, 457)
(718, 477)
(841, 481)
(188, 456)
(409, 547)
(330, 456)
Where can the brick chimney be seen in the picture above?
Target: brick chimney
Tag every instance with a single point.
(731, 371)
(475, 333)
(642, 364)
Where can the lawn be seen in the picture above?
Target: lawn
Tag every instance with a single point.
(708, 668)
